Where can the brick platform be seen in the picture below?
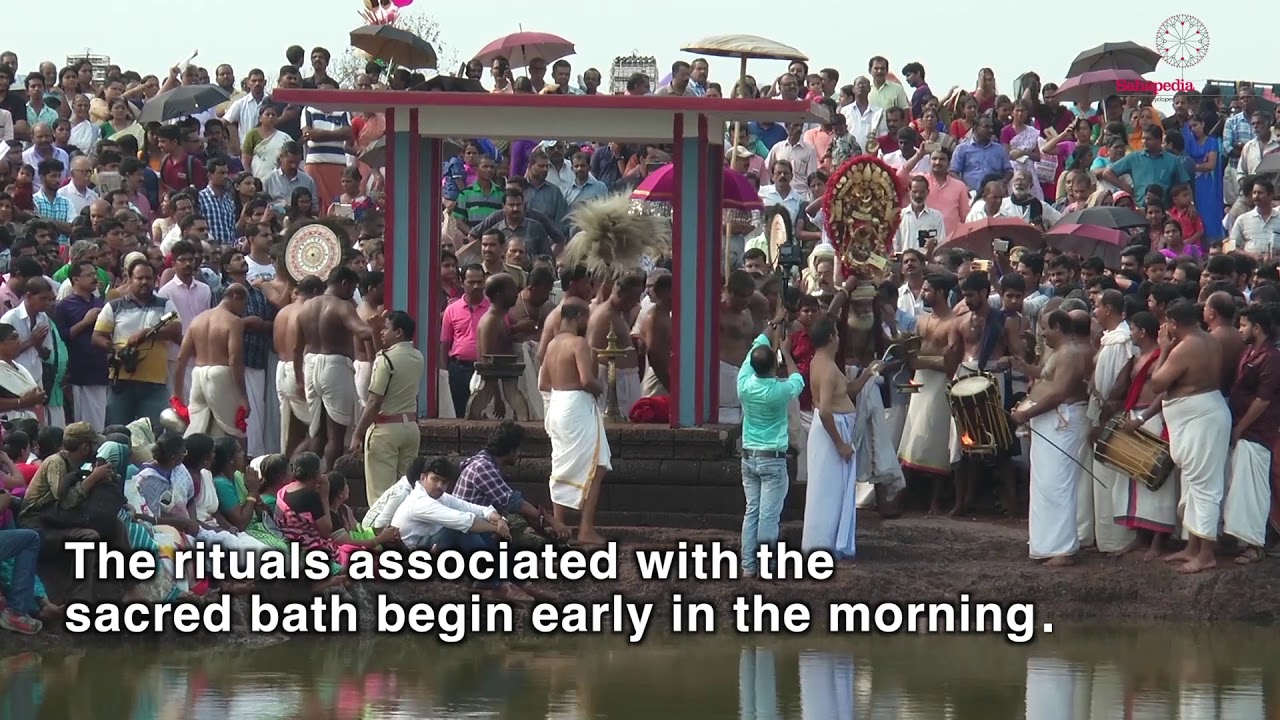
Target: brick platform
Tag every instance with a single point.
(661, 476)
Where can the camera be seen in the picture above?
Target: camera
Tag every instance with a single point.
(790, 256)
(924, 236)
(124, 359)
(1000, 245)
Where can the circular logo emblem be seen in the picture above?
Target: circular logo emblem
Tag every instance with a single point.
(1182, 41)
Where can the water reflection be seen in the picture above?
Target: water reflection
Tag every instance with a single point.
(1074, 675)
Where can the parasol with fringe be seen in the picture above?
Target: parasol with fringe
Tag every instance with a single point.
(612, 241)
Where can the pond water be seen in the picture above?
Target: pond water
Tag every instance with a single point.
(1074, 674)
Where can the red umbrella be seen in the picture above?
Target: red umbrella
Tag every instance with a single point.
(660, 186)
(1088, 241)
(977, 236)
(519, 48)
(1086, 88)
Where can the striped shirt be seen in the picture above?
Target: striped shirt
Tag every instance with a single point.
(1254, 234)
(474, 204)
(331, 152)
(56, 208)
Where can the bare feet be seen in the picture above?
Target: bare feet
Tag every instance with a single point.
(1250, 555)
(591, 539)
(958, 510)
(1180, 556)
(934, 510)
(1060, 561)
(1195, 565)
(1152, 553)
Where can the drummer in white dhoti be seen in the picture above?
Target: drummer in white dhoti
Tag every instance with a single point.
(574, 423)
(1056, 414)
(1110, 488)
(1189, 372)
(531, 311)
(830, 505)
(1255, 408)
(215, 341)
(929, 414)
(1151, 511)
(990, 336)
(295, 415)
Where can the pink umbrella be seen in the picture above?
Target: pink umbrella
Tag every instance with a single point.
(1086, 88)
(519, 48)
(737, 193)
(1088, 241)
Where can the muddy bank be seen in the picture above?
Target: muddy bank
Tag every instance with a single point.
(911, 559)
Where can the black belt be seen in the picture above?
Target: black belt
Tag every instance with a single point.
(764, 454)
(463, 363)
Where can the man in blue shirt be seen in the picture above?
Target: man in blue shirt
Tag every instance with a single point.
(1153, 166)
(975, 160)
(765, 398)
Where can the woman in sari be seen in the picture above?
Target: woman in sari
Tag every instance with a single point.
(1022, 140)
(158, 506)
(1203, 149)
(204, 502)
(239, 492)
(927, 126)
(20, 395)
(262, 145)
(303, 514)
(962, 126)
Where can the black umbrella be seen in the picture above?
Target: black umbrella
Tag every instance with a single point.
(1115, 56)
(1108, 216)
(182, 101)
(403, 48)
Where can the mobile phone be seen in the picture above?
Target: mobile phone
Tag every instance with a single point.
(1000, 246)
(932, 147)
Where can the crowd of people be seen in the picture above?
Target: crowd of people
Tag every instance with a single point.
(164, 380)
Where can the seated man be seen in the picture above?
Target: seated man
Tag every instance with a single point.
(430, 518)
(23, 546)
(481, 482)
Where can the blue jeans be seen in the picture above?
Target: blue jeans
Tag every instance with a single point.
(129, 400)
(764, 482)
(24, 547)
(465, 543)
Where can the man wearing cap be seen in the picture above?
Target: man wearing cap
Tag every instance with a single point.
(79, 444)
(388, 429)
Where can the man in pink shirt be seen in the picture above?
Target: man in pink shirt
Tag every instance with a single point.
(948, 195)
(189, 296)
(458, 335)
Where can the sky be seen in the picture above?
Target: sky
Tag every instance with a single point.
(951, 51)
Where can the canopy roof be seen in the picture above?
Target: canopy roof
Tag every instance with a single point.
(622, 118)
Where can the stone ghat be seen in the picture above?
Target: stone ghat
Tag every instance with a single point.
(661, 476)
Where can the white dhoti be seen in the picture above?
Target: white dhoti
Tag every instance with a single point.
(1107, 493)
(1248, 500)
(528, 354)
(1199, 435)
(730, 405)
(830, 510)
(214, 402)
(1052, 520)
(264, 409)
(896, 417)
(628, 389)
(876, 455)
(292, 406)
(651, 386)
(928, 421)
(364, 371)
(444, 398)
(579, 447)
(331, 390)
(241, 542)
(798, 424)
(91, 404)
(1144, 509)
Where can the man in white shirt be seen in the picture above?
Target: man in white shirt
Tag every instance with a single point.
(77, 192)
(921, 226)
(1262, 144)
(1022, 203)
(34, 334)
(243, 113)
(1255, 231)
(782, 192)
(864, 119)
(431, 518)
(802, 156)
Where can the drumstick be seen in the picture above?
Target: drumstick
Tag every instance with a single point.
(1069, 456)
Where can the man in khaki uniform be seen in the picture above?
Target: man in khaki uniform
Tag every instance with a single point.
(388, 429)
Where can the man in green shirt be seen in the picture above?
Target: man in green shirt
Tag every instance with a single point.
(765, 397)
(480, 200)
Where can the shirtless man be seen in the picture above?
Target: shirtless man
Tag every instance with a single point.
(578, 290)
(494, 336)
(655, 333)
(371, 284)
(295, 416)
(579, 449)
(216, 339)
(929, 414)
(612, 315)
(1220, 317)
(738, 327)
(1189, 373)
(1058, 416)
(277, 289)
(327, 330)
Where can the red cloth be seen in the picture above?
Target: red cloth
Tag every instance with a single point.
(802, 351)
(1135, 389)
(179, 407)
(655, 409)
(242, 418)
